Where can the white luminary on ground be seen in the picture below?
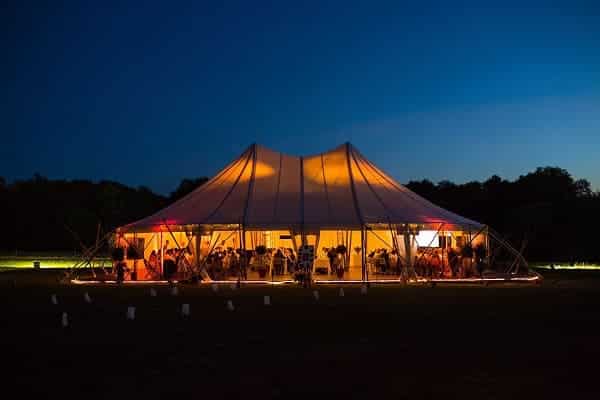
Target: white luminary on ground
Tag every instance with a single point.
(130, 313)
(185, 310)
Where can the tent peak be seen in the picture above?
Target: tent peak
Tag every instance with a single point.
(345, 145)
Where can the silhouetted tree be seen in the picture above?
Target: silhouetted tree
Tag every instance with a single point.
(555, 213)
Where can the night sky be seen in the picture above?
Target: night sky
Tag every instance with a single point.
(149, 93)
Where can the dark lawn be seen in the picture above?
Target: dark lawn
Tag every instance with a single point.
(500, 341)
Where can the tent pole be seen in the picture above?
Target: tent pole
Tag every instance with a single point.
(366, 267)
(395, 246)
(363, 251)
(408, 249)
(197, 245)
(177, 259)
(162, 255)
(242, 254)
(443, 267)
(487, 247)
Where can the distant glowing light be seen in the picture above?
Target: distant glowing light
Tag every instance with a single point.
(427, 239)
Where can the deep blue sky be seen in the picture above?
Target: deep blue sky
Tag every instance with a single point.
(148, 93)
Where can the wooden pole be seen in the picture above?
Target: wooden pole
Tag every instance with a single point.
(162, 256)
(487, 248)
(363, 256)
(365, 253)
(408, 248)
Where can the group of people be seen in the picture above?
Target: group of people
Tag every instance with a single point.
(175, 259)
(226, 263)
(447, 264)
(432, 264)
(383, 261)
(223, 263)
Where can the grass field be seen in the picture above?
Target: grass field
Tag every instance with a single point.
(500, 341)
(46, 261)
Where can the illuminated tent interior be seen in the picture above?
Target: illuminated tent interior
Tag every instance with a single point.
(364, 226)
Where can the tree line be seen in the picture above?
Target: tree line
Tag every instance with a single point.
(553, 214)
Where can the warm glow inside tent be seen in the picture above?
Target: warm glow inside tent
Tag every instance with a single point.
(362, 223)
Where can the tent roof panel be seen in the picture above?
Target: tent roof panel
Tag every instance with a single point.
(266, 189)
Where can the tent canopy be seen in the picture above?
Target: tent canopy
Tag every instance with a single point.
(265, 189)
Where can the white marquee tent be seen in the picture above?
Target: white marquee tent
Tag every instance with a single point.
(281, 201)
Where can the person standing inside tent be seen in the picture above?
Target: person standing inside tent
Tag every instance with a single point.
(290, 261)
(436, 265)
(278, 262)
(453, 262)
(332, 256)
(121, 267)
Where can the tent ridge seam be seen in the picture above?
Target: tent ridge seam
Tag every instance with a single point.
(185, 199)
(410, 194)
(228, 192)
(250, 186)
(326, 190)
(385, 207)
(352, 187)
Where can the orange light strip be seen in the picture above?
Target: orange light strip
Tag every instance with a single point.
(96, 282)
(246, 282)
(318, 282)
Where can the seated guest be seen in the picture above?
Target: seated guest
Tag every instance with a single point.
(290, 260)
(169, 265)
(153, 260)
(436, 265)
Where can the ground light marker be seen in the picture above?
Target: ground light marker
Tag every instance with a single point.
(64, 320)
(130, 313)
(316, 295)
(363, 289)
(174, 291)
(152, 292)
(267, 300)
(185, 310)
(87, 298)
(53, 299)
(230, 305)
(341, 292)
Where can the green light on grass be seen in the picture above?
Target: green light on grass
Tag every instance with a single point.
(588, 267)
(27, 262)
